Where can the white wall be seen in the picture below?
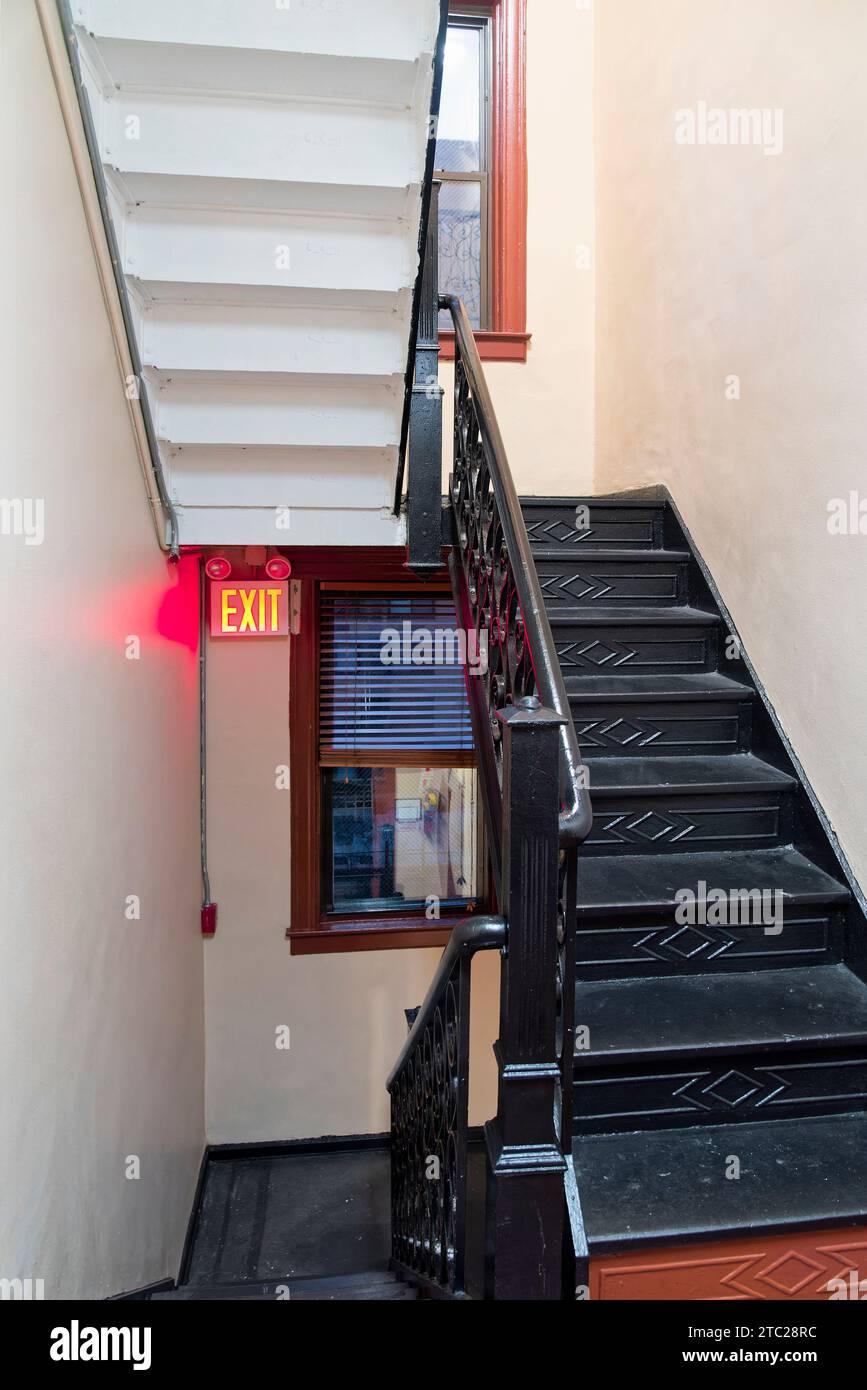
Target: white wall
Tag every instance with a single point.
(101, 1029)
(545, 405)
(721, 260)
(345, 1011)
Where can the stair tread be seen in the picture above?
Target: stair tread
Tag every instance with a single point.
(710, 684)
(600, 554)
(628, 616)
(636, 881)
(613, 500)
(727, 772)
(671, 1185)
(673, 1015)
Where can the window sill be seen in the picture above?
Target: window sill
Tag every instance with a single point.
(493, 346)
(377, 934)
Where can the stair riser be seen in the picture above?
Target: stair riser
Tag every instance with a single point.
(607, 527)
(255, 415)
(610, 948)
(672, 823)
(651, 649)
(292, 339)
(320, 144)
(382, 28)
(720, 1091)
(659, 945)
(642, 728)
(189, 247)
(643, 582)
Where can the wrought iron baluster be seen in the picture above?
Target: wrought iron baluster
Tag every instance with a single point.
(429, 1089)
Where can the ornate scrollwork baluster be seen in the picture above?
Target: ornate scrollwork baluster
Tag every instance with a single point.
(493, 596)
(429, 1140)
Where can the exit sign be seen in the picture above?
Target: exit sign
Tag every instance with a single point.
(249, 608)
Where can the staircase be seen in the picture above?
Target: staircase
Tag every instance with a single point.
(264, 175)
(703, 1041)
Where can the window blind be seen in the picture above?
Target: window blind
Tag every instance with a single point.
(390, 673)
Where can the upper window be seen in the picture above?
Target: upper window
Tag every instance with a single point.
(463, 165)
(481, 165)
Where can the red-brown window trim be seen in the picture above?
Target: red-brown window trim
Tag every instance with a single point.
(507, 339)
(309, 932)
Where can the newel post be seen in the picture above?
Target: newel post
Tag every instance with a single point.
(525, 1200)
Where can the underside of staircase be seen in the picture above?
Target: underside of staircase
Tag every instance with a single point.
(720, 1069)
(262, 169)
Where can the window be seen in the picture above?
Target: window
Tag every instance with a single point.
(481, 165)
(385, 824)
(462, 166)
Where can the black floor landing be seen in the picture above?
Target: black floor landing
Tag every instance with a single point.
(298, 1217)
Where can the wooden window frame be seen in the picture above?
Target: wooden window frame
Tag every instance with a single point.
(507, 338)
(310, 931)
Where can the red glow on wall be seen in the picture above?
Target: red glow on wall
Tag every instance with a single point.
(178, 614)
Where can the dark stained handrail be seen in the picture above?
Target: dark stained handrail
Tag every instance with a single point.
(483, 933)
(427, 181)
(576, 814)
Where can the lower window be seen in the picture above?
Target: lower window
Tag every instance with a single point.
(386, 831)
(398, 839)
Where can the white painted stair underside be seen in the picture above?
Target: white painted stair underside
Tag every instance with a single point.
(263, 166)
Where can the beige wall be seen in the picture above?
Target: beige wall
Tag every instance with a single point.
(545, 405)
(101, 1018)
(721, 260)
(344, 1012)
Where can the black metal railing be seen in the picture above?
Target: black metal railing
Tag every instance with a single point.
(429, 1087)
(505, 598)
(537, 812)
(497, 589)
(427, 225)
(424, 523)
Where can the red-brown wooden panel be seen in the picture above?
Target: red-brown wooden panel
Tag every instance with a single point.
(792, 1266)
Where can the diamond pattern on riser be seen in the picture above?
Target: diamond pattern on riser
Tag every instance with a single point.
(638, 582)
(644, 728)
(678, 822)
(720, 1091)
(609, 647)
(606, 527)
(663, 946)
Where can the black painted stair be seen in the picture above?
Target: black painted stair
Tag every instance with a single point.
(721, 1005)
(672, 1185)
